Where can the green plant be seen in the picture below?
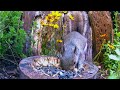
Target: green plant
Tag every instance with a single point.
(108, 63)
(111, 53)
(111, 56)
(12, 35)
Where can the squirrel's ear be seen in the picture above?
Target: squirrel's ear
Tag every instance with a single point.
(75, 50)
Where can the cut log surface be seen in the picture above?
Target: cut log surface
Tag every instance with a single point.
(27, 71)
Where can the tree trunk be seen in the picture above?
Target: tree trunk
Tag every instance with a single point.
(28, 17)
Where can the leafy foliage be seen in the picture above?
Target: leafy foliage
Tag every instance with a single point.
(111, 60)
(12, 35)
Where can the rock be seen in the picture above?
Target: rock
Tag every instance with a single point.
(2, 76)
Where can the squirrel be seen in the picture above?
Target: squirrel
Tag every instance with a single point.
(74, 48)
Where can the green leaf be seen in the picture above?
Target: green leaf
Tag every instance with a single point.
(114, 57)
(118, 34)
(117, 51)
(113, 76)
(1, 34)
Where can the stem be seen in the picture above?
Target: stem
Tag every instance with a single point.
(12, 52)
(9, 61)
(11, 55)
(99, 51)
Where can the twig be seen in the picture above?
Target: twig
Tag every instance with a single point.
(11, 55)
(9, 61)
(99, 51)
(5, 72)
(12, 52)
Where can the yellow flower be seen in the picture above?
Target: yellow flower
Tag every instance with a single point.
(57, 18)
(49, 16)
(111, 46)
(59, 14)
(43, 24)
(71, 17)
(53, 13)
(56, 13)
(56, 26)
(51, 25)
(51, 20)
(103, 35)
(65, 12)
(59, 41)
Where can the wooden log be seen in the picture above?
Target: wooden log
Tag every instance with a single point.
(27, 71)
(102, 28)
(28, 20)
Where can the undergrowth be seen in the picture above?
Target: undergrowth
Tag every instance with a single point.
(111, 53)
(12, 36)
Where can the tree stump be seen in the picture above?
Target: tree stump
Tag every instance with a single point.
(102, 28)
(27, 71)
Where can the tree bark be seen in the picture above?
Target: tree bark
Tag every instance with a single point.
(28, 17)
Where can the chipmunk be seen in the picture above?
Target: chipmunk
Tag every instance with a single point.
(74, 49)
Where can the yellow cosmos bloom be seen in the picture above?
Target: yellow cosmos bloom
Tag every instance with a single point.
(56, 13)
(43, 24)
(59, 14)
(49, 16)
(111, 46)
(59, 41)
(51, 25)
(51, 20)
(103, 35)
(56, 26)
(53, 13)
(71, 17)
(57, 18)
(65, 12)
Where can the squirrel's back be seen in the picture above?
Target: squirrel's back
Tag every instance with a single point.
(75, 38)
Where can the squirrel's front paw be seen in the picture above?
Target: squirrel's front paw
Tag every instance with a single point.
(75, 70)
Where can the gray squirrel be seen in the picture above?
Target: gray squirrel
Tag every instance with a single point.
(73, 53)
